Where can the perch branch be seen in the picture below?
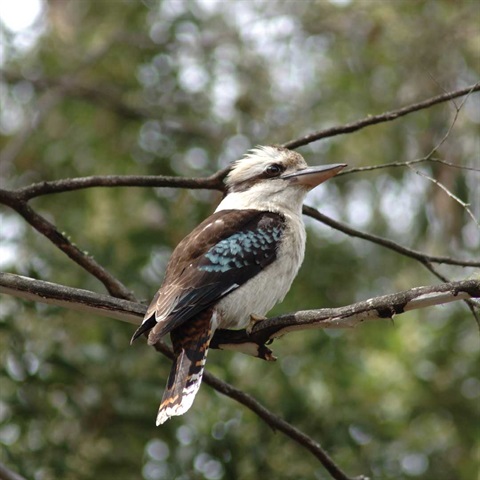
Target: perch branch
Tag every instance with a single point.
(383, 307)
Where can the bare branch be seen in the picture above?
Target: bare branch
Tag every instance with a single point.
(43, 226)
(407, 163)
(385, 242)
(7, 474)
(278, 423)
(73, 298)
(213, 182)
(382, 118)
(465, 206)
(383, 307)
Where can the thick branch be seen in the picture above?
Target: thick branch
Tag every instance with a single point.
(382, 118)
(73, 298)
(384, 307)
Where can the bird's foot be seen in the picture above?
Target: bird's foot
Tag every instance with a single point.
(254, 319)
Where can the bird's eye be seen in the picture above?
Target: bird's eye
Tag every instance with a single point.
(273, 170)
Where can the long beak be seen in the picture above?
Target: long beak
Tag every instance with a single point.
(313, 176)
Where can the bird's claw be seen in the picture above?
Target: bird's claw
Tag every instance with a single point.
(254, 319)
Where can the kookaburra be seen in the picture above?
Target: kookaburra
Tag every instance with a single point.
(234, 267)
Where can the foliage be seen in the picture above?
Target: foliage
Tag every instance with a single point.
(183, 88)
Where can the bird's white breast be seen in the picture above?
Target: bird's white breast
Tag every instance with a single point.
(262, 292)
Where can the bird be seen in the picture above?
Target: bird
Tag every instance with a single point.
(234, 266)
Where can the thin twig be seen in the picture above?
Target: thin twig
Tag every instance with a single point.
(465, 206)
(369, 168)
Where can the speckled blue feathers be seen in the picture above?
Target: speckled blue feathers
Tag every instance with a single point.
(243, 248)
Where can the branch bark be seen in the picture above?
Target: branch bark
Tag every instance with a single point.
(60, 240)
(382, 118)
(7, 474)
(253, 343)
(385, 242)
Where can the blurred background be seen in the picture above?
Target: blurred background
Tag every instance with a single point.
(183, 88)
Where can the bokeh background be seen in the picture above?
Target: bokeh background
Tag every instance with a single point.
(153, 87)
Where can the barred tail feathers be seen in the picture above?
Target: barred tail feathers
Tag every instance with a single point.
(190, 345)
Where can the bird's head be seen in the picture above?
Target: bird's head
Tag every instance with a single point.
(272, 178)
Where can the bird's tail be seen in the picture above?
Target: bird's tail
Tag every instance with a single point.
(190, 346)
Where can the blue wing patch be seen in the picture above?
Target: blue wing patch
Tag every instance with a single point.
(242, 249)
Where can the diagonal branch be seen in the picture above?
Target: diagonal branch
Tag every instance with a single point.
(382, 118)
(7, 474)
(464, 205)
(49, 230)
(385, 242)
(278, 423)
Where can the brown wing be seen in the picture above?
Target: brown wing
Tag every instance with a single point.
(222, 253)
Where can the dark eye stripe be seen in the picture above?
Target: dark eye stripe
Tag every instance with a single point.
(270, 171)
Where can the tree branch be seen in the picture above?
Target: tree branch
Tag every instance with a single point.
(49, 230)
(383, 307)
(344, 317)
(278, 423)
(385, 242)
(213, 182)
(7, 474)
(382, 118)
(73, 298)
(264, 332)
